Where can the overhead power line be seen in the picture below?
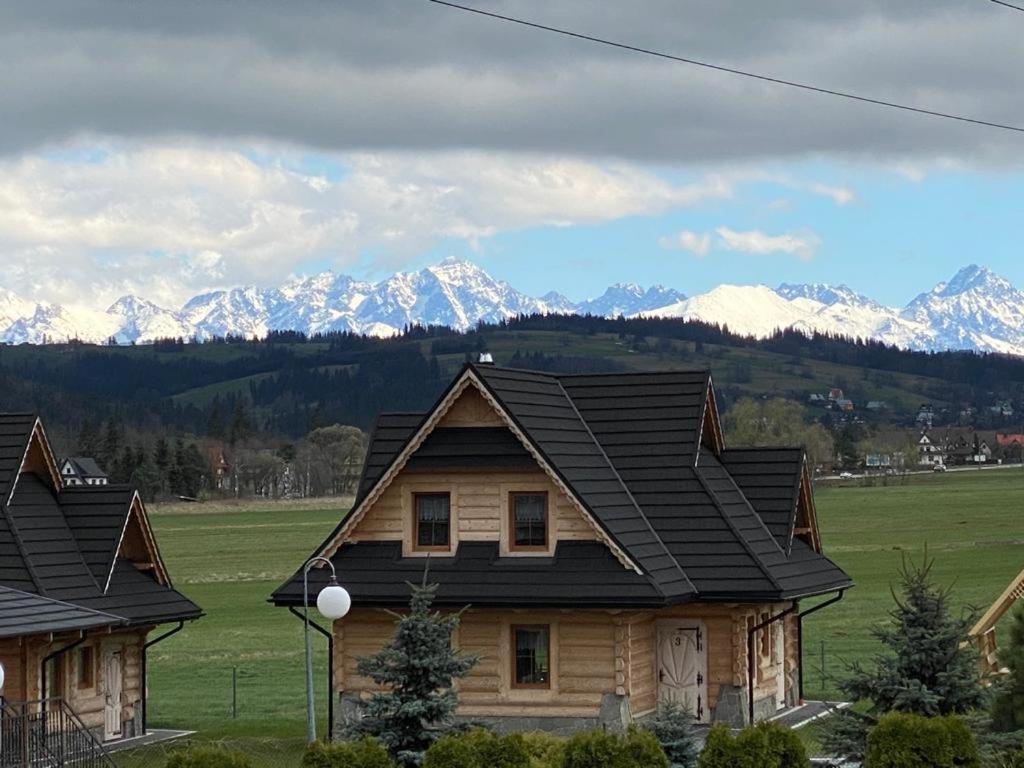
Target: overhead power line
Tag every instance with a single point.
(1009, 5)
(732, 70)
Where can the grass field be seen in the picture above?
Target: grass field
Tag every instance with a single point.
(230, 560)
(971, 522)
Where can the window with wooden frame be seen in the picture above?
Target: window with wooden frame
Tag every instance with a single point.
(432, 521)
(528, 521)
(531, 656)
(85, 670)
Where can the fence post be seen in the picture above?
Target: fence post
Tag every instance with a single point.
(823, 668)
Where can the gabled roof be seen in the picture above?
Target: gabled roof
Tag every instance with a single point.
(642, 455)
(66, 545)
(85, 466)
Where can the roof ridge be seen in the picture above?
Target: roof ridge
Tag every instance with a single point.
(666, 372)
(625, 488)
(732, 526)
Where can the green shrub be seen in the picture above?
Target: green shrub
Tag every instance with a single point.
(719, 749)
(641, 749)
(962, 742)
(765, 745)
(451, 752)
(785, 746)
(543, 749)
(673, 727)
(363, 753)
(478, 749)
(911, 741)
(208, 757)
(595, 749)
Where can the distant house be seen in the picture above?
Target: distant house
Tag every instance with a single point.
(929, 453)
(1009, 440)
(815, 399)
(926, 416)
(844, 404)
(835, 394)
(613, 551)
(1005, 408)
(82, 470)
(82, 589)
(877, 405)
(963, 448)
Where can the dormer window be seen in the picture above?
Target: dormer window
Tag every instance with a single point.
(432, 518)
(529, 521)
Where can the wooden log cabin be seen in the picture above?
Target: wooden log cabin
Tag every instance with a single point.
(613, 552)
(82, 589)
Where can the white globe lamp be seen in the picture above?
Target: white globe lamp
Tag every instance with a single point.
(333, 602)
(1, 678)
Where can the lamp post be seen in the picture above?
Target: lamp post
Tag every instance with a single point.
(333, 603)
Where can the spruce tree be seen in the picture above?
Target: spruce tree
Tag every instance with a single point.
(1008, 712)
(417, 668)
(673, 727)
(925, 669)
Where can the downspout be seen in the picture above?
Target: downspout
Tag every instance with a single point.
(750, 655)
(330, 669)
(800, 631)
(46, 660)
(144, 670)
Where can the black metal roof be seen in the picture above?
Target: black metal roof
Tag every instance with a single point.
(23, 613)
(86, 466)
(61, 545)
(375, 573)
(631, 448)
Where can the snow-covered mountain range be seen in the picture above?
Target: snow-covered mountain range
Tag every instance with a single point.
(976, 309)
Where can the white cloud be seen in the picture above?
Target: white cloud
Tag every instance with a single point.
(696, 243)
(803, 245)
(169, 220)
(838, 195)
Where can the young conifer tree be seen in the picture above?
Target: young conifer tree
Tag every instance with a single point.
(925, 667)
(416, 669)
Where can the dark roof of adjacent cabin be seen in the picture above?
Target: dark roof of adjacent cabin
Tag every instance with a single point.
(23, 613)
(61, 546)
(86, 466)
(629, 446)
(15, 430)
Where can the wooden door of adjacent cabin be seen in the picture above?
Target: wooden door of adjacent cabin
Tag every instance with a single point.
(683, 667)
(113, 688)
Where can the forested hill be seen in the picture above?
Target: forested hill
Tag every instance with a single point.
(287, 383)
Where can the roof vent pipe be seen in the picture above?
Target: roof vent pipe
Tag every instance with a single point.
(486, 358)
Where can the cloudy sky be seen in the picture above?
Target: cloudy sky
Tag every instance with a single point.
(167, 148)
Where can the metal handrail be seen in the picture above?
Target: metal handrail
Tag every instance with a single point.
(47, 733)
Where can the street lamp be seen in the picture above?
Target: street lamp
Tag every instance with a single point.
(1, 680)
(333, 603)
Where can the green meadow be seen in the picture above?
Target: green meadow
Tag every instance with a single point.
(229, 562)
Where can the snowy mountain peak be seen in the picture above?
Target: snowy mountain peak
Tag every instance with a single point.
(824, 293)
(973, 278)
(976, 309)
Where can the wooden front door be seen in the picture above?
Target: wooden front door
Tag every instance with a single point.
(683, 667)
(112, 686)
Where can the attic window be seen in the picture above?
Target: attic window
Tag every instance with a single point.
(529, 523)
(432, 521)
